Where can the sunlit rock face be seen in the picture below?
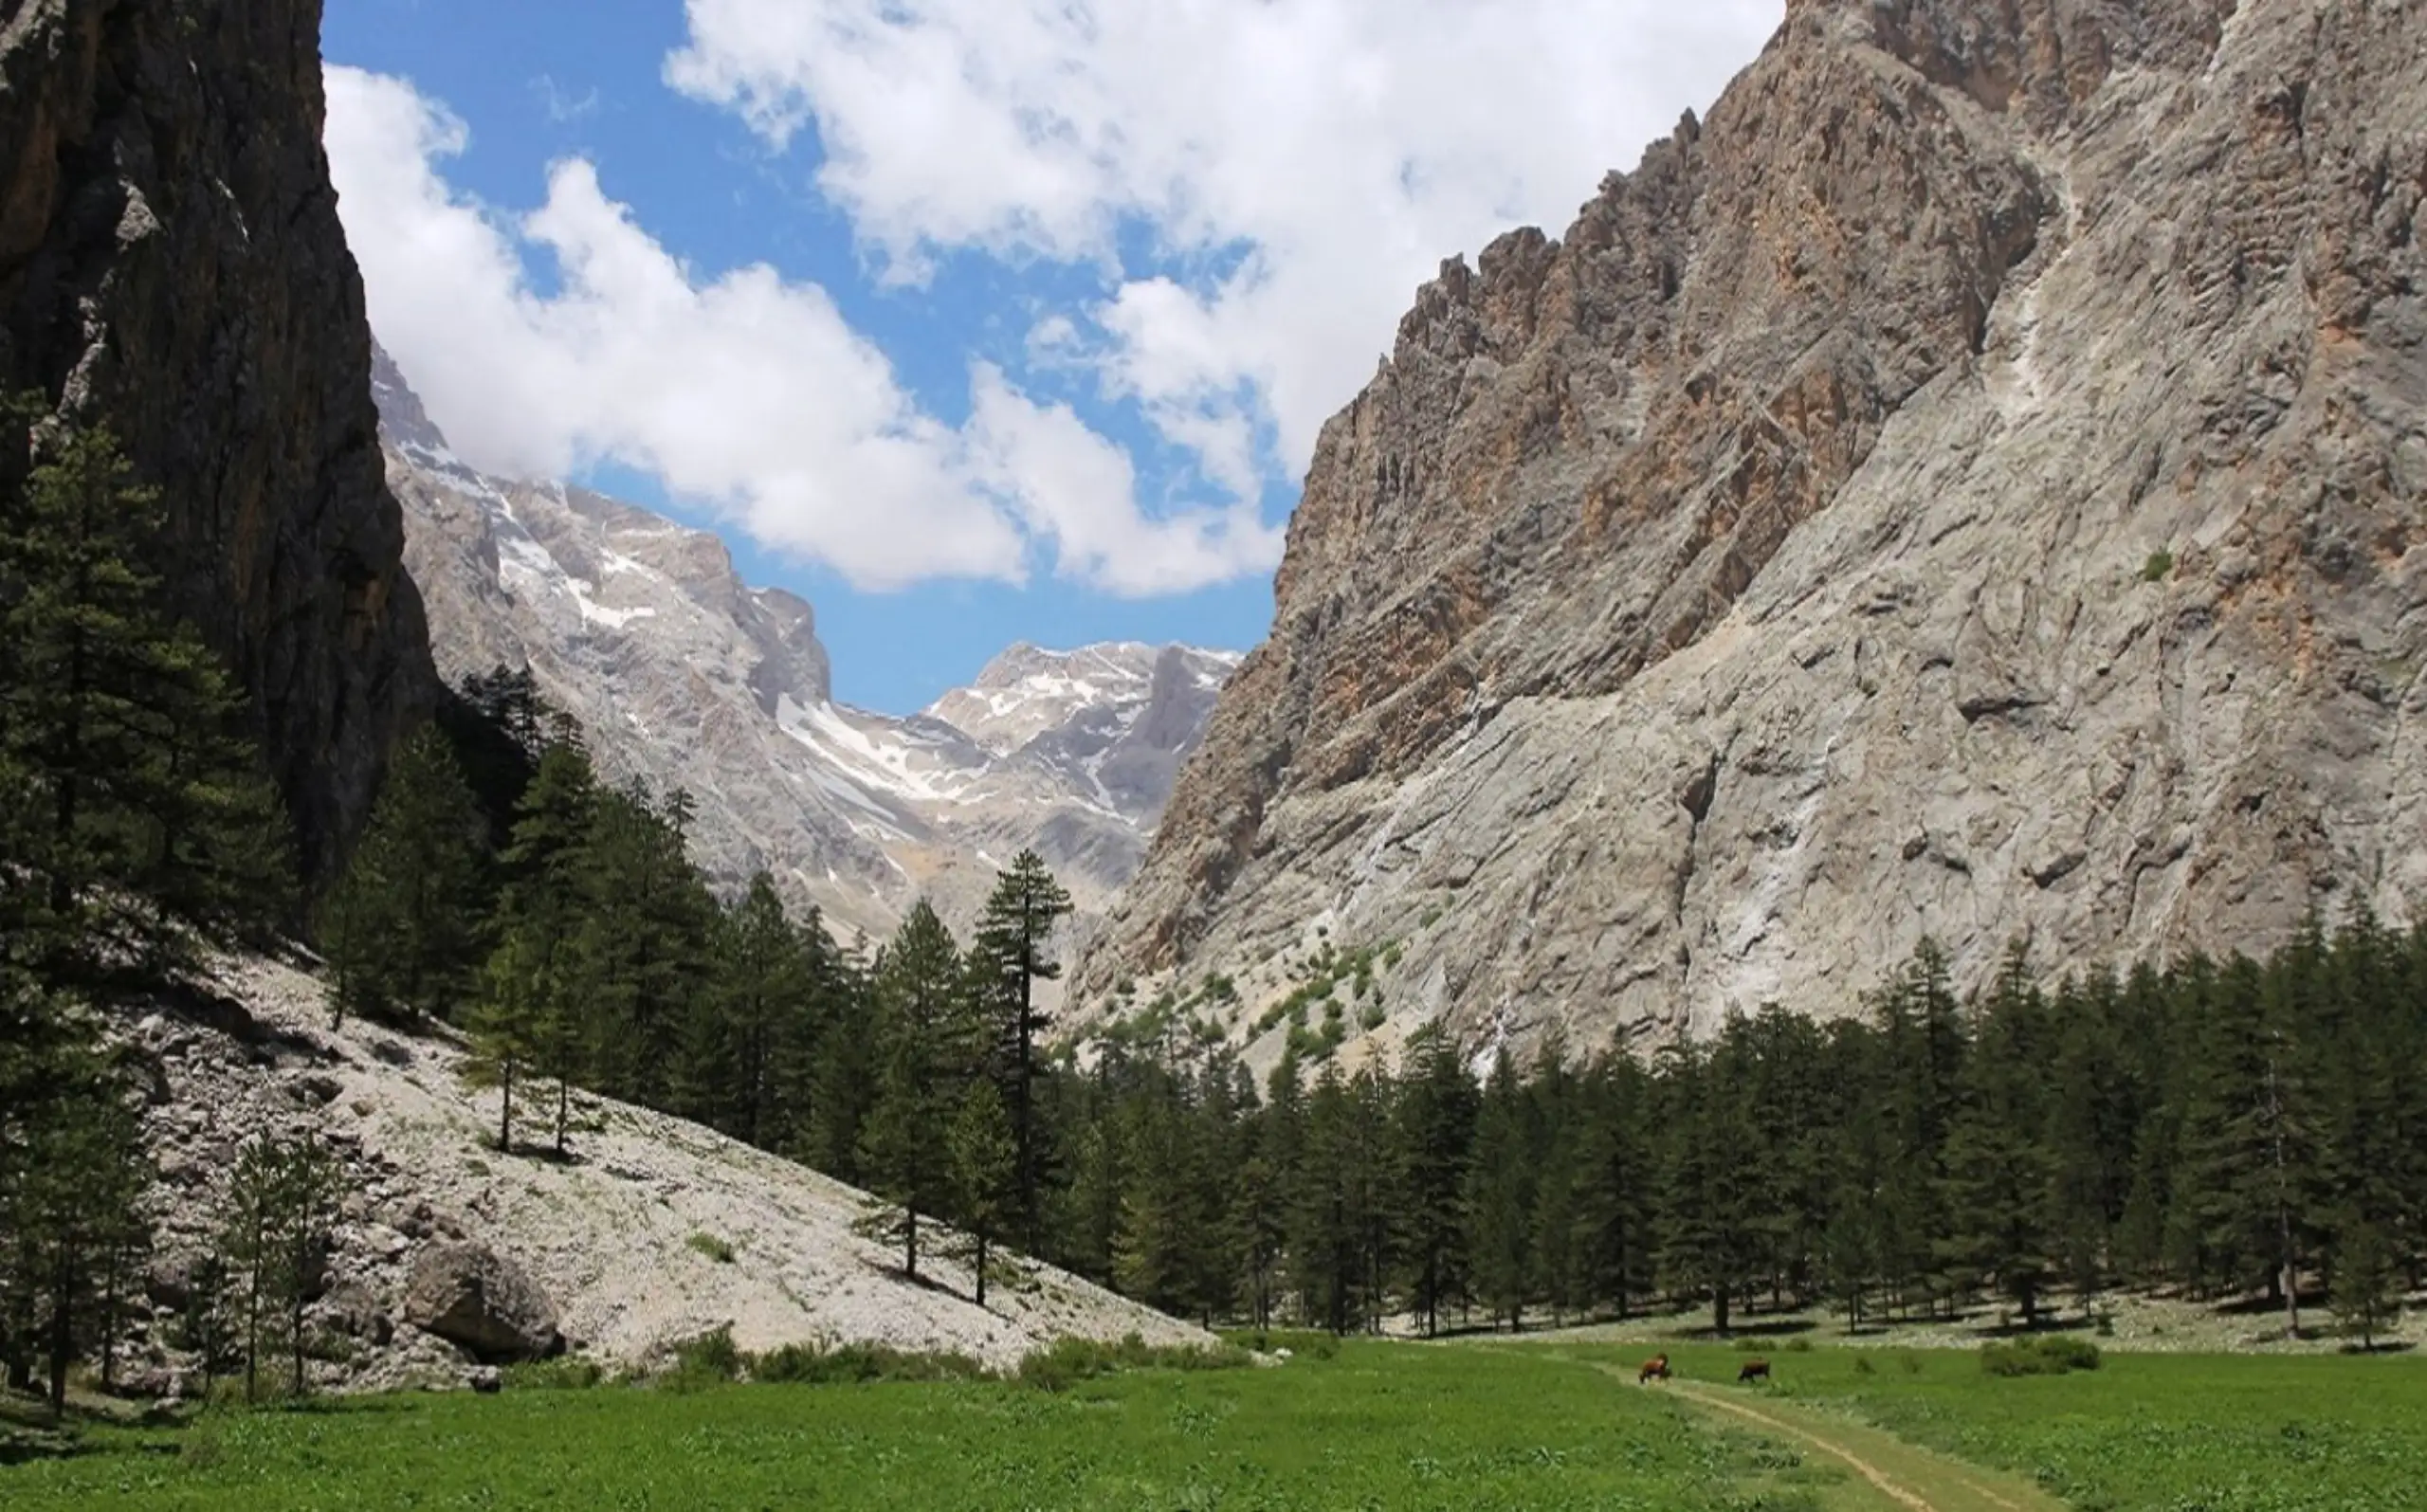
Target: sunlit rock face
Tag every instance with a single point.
(1969, 485)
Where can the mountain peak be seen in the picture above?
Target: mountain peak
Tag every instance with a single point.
(1027, 690)
(402, 418)
(683, 675)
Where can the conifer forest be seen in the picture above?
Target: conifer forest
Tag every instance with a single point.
(2217, 1126)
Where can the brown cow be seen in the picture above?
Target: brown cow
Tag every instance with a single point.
(1753, 1370)
(1654, 1369)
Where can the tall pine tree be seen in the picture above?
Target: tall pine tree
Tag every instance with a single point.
(397, 929)
(1008, 959)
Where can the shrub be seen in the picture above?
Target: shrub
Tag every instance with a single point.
(566, 1372)
(854, 1364)
(2160, 563)
(1799, 1345)
(712, 1247)
(2052, 1356)
(709, 1359)
(1066, 1362)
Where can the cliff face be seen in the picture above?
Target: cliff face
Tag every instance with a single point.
(170, 263)
(1971, 484)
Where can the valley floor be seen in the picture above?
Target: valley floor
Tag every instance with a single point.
(1371, 1425)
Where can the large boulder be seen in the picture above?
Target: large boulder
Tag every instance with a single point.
(470, 1296)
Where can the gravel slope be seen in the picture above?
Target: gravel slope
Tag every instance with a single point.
(608, 1235)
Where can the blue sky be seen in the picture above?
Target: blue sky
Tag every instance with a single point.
(970, 321)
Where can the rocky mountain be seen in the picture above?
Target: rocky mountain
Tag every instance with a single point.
(684, 676)
(170, 264)
(448, 1255)
(1973, 483)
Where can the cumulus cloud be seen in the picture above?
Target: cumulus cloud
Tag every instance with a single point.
(747, 392)
(1315, 158)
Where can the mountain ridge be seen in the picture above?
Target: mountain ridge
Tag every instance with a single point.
(1959, 487)
(685, 676)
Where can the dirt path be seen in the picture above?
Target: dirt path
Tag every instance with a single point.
(1906, 1475)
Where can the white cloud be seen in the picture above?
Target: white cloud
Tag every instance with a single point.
(1073, 487)
(563, 107)
(1344, 146)
(747, 392)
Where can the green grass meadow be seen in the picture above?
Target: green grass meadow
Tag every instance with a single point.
(1378, 1425)
(2141, 1433)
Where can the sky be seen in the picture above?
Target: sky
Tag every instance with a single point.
(971, 322)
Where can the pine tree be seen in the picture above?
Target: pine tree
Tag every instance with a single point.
(1999, 1175)
(736, 1064)
(204, 1327)
(507, 1021)
(1151, 1258)
(1921, 1050)
(1327, 1237)
(1008, 959)
(806, 1021)
(924, 1045)
(139, 821)
(1264, 1203)
(1437, 1107)
(1257, 1220)
(1709, 1197)
(2250, 1162)
(2366, 1294)
(842, 1071)
(498, 727)
(1614, 1176)
(1560, 1259)
(1499, 1197)
(71, 1220)
(648, 921)
(984, 1160)
(397, 928)
(532, 1012)
(2091, 1115)
(281, 1203)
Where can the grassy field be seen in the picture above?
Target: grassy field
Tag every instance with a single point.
(2143, 1434)
(1381, 1426)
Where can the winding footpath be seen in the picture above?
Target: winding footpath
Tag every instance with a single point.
(1900, 1475)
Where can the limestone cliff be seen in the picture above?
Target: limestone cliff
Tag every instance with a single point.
(1972, 483)
(170, 263)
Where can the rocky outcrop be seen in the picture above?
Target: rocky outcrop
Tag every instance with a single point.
(479, 1301)
(170, 263)
(1971, 484)
(685, 676)
(446, 1254)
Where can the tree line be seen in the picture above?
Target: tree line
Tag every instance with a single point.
(2225, 1127)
